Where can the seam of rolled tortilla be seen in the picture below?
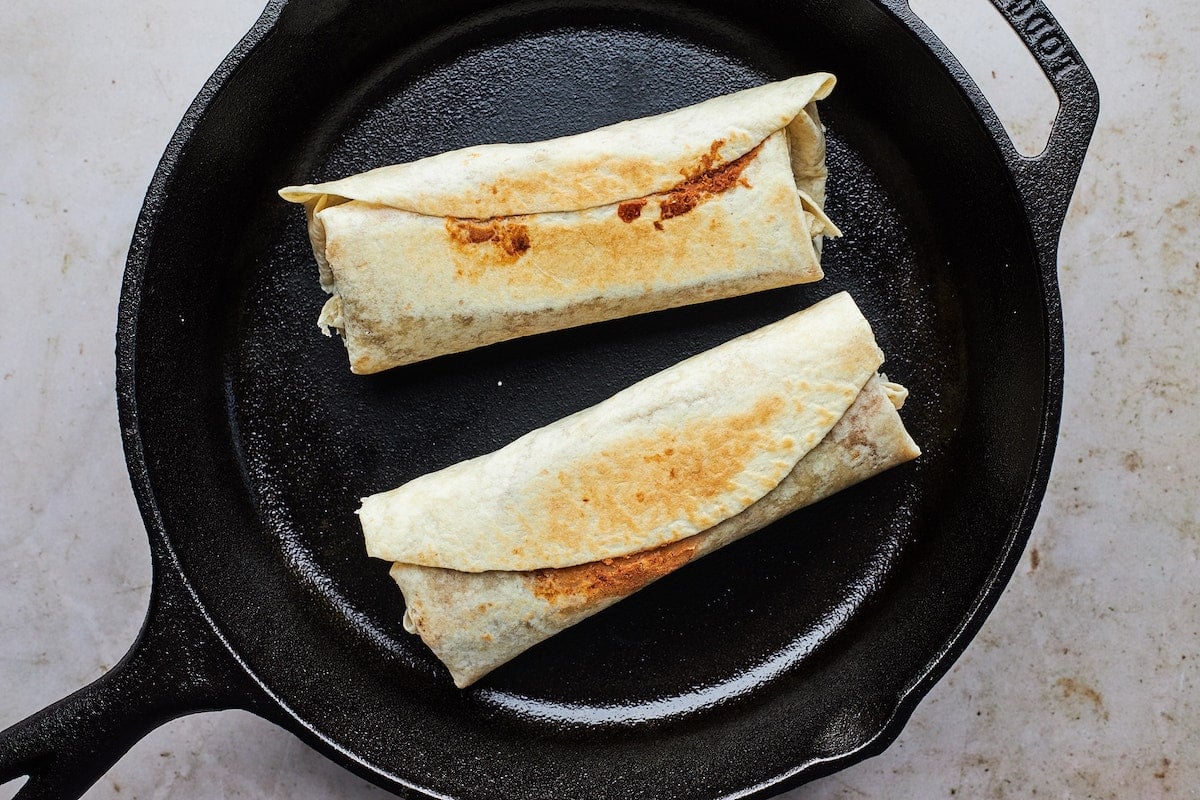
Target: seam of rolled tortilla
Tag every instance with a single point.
(694, 444)
(627, 160)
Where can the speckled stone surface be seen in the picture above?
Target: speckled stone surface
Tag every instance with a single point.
(1085, 681)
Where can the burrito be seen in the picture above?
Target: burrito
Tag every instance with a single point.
(489, 243)
(574, 516)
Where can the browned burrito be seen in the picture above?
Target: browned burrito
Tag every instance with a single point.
(476, 246)
(572, 517)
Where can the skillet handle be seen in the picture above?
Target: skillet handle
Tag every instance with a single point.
(1047, 181)
(176, 666)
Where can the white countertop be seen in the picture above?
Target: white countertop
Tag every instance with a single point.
(1085, 681)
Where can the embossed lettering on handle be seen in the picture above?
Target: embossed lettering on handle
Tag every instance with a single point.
(1042, 34)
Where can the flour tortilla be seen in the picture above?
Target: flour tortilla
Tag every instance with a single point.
(492, 242)
(673, 468)
(476, 622)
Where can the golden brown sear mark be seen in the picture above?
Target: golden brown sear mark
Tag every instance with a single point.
(653, 479)
(612, 577)
(512, 238)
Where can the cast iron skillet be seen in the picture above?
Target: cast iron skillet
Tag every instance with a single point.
(779, 659)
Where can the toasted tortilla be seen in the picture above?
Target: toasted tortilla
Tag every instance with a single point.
(476, 622)
(574, 516)
(488, 243)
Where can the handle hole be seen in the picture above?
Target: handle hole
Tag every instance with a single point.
(1001, 65)
(9, 790)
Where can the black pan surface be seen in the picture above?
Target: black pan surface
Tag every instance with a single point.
(777, 659)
